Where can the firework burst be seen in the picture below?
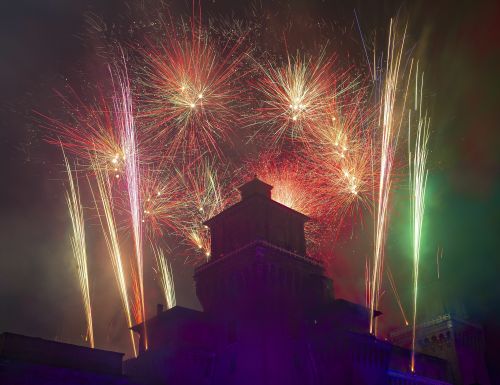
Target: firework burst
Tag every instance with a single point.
(89, 132)
(298, 95)
(192, 91)
(340, 154)
(343, 181)
(289, 181)
(161, 194)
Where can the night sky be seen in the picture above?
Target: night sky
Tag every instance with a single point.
(43, 43)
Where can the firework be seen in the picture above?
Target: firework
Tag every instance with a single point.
(396, 295)
(418, 181)
(89, 132)
(110, 233)
(294, 185)
(165, 275)
(128, 136)
(192, 90)
(78, 246)
(298, 95)
(345, 184)
(289, 180)
(337, 149)
(390, 123)
(205, 197)
(341, 155)
(161, 199)
(354, 181)
(349, 122)
(322, 153)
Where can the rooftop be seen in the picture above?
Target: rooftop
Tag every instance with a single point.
(40, 351)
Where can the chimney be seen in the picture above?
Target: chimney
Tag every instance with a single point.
(159, 309)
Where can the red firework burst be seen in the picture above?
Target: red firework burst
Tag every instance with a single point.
(191, 90)
(297, 96)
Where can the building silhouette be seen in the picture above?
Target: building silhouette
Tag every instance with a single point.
(270, 317)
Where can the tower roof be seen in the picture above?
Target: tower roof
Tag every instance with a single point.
(175, 312)
(257, 217)
(255, 187)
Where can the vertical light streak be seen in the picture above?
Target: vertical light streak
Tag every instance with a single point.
(78, 246)
(439, 256)
(396, 295)
(367, 283)
(418, 182)
(110, 232)
(127, 128)
(166, 278)
(364, 45)
(390, 126)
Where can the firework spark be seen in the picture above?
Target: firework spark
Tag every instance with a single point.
(439, 256)
(192, 91)
(345, 184)
(418, 182)
(367, 282)
(126, 123)
(161, 199)
(289, 180)
(396, 295)
(322, 120)
(166, 278)
(78, 246)
(110, 233)
(297, 96)
(205, 197)
(390, 124)
(89, 132)
(294, 185)
(339, 155)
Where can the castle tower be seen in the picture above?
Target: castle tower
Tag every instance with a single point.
(269, 316)
(258, 288)
(259, 259)
(459, 342)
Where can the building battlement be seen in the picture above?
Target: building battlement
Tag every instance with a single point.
(211, 263)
